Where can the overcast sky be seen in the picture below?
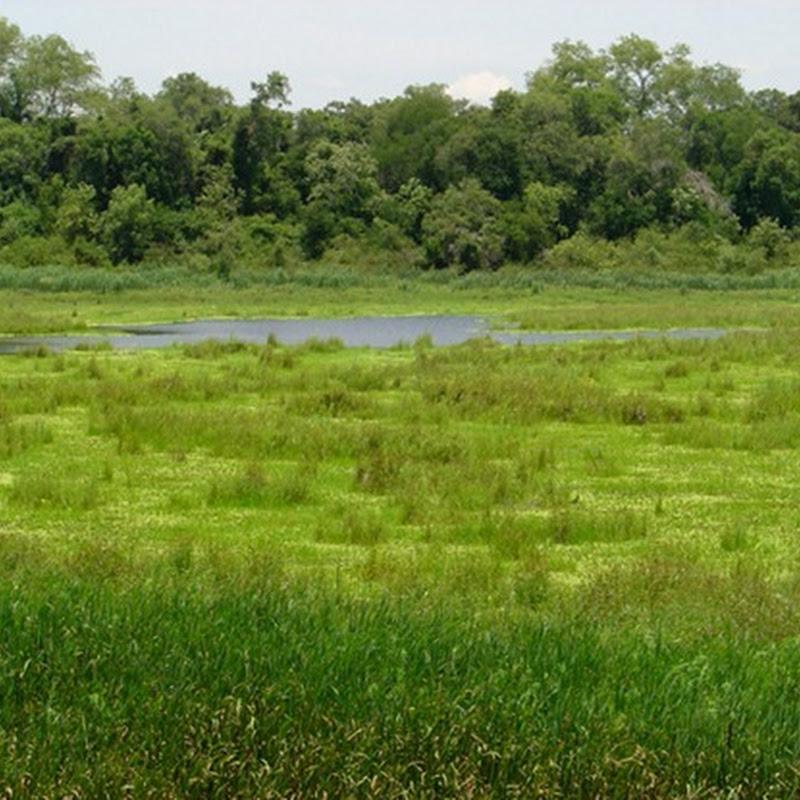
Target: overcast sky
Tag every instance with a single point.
(369, 49)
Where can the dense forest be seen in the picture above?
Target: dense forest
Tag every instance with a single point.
(632, 146)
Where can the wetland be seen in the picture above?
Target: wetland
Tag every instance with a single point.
(378, 331)
(271, 568)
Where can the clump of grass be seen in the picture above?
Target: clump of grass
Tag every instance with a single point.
(58, 492)
(252, 487)
(677, 369)
(531, 582)
(37, 351)
(572, 526)
(332, 344)
(272, 354)
(735, 540)
(776, 399)
(638, 408)
(216, 348)
(355, 524)
(600, 463)
(334, 400)
(246, 488)
(511, 536)
(17, 437)
(98, 346)
(379, 467)
(99, 560)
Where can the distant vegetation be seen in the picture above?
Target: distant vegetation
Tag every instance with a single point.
(630, 154)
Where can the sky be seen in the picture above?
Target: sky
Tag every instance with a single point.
(368, 49)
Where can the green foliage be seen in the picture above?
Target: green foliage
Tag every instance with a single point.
(614, 142)
(769, 236)
(42, 76)
(255, 570)
(127, 224)
(22, 158)
(195, 101)
(77, 216)
(409, 206)
(463, 228)
(537, 224)
(19, 219)
(343, 180)
(767, 182)
(409, 132)
(52, 79)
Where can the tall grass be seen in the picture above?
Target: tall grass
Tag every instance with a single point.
(276, 691)
(552, 273)
(484, 571)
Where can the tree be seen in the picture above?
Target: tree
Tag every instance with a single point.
(534, 224)
(128, 224)
(343, 177)
(409, 132)
(768, 236)
(640, 180)
(49, 78)
(196, 103)
(411, 203)
(137, 141)
(485, 146)
(565, 140)
(262, 136)
(717, 140)
(275, 90)
(23, 155)
(463, 228)
(76, 217)
(576, 65)
(767, 182)
(583, 81)
(10, 46)
(636, 65)
(343, 195)
(685, 90)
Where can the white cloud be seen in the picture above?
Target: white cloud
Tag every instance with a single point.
(479, 87)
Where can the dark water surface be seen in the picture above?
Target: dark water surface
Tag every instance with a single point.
(377, 332)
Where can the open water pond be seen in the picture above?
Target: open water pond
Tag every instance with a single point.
(378, 332)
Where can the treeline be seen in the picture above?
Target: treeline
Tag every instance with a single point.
(631, 144)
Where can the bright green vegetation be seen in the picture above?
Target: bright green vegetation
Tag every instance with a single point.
(231, 570)
(481, 571)
(53, 303)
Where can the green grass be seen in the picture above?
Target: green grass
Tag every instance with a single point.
(238, 570)
(180, 689)
(53, 300)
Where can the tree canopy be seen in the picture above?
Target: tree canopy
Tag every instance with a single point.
(602, 143)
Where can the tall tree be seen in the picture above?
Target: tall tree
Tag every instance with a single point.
(49, 78)
(409, 131)
(11, 40)
(196, 102)
(262, 137)
(636, 64)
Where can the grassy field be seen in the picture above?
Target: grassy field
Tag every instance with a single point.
(56, 300)
(481, 571)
